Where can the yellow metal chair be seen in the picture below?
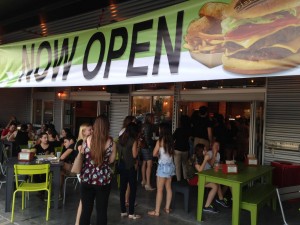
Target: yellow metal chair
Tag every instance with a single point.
(32, 187)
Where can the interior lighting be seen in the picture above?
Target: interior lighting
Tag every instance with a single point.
(43, 26)
(113, 9)
(60, 94)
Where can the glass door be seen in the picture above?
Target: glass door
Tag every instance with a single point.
(42, 112)
(69, 115)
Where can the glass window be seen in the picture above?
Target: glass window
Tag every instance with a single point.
(141, 105)
(48, 112)
(42, 111)
(89, 88)
(153, 86)
(230, 83)
(161, 106)
(37, 111)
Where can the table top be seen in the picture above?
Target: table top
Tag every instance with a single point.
(14, 160)
(244, 175)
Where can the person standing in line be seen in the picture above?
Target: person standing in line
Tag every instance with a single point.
(85, 130)
(96, 175)
(202, 127)
(128, 152)
(181, 144)
(147, 133)
(128, 119)
(164, 150)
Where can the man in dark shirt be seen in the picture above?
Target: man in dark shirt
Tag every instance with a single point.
(202, 128)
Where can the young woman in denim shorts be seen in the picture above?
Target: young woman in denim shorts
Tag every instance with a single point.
(164, 149)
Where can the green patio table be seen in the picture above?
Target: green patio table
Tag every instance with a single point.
(245, 175)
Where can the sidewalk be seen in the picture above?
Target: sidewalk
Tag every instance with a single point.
(35, 212)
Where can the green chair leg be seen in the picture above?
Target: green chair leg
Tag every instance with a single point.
(13, 208)
(253, 213)
(48, 205)
(23, 200)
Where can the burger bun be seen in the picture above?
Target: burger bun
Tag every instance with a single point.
(260, 67)
(240, 9)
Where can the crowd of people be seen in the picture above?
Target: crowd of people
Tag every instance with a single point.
(199, 143)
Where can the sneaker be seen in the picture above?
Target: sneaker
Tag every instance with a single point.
(125, 214)
(222, 203)
(210, 209)
(134, 216)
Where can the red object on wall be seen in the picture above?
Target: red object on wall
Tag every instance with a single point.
(285, 174)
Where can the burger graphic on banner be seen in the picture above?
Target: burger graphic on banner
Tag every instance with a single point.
(204, 38)
(259, 36)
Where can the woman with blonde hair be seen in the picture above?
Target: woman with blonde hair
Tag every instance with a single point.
(85, 130)
(99, 151)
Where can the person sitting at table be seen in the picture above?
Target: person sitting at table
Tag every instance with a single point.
(68, 156)
(44, 128)
(31, 132)
(20, 137)
(68, 153)
(200, 161)
(53, 138)
(215, 157)
(44, 148)
(6, 136)
(7, 132)
(65, 132)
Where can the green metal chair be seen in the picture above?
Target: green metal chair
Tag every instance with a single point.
(32, 187)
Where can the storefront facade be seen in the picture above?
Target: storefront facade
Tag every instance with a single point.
(151, 57)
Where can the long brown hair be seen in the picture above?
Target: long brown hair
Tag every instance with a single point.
(165, 135)
(99, 138)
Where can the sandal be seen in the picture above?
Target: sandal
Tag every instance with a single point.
(153, 213)
(167, 210)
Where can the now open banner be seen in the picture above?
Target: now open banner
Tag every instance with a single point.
(192, 41)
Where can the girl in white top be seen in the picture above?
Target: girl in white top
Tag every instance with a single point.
(164, 149)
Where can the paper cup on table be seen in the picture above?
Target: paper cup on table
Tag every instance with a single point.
(58, 154)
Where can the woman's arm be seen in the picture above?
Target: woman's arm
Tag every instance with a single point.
(156, 149)
(112, 156)
(12, 136)
(134, 150)
(200, 168)
(66, 154)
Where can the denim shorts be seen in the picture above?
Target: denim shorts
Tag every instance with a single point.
(165, 170)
